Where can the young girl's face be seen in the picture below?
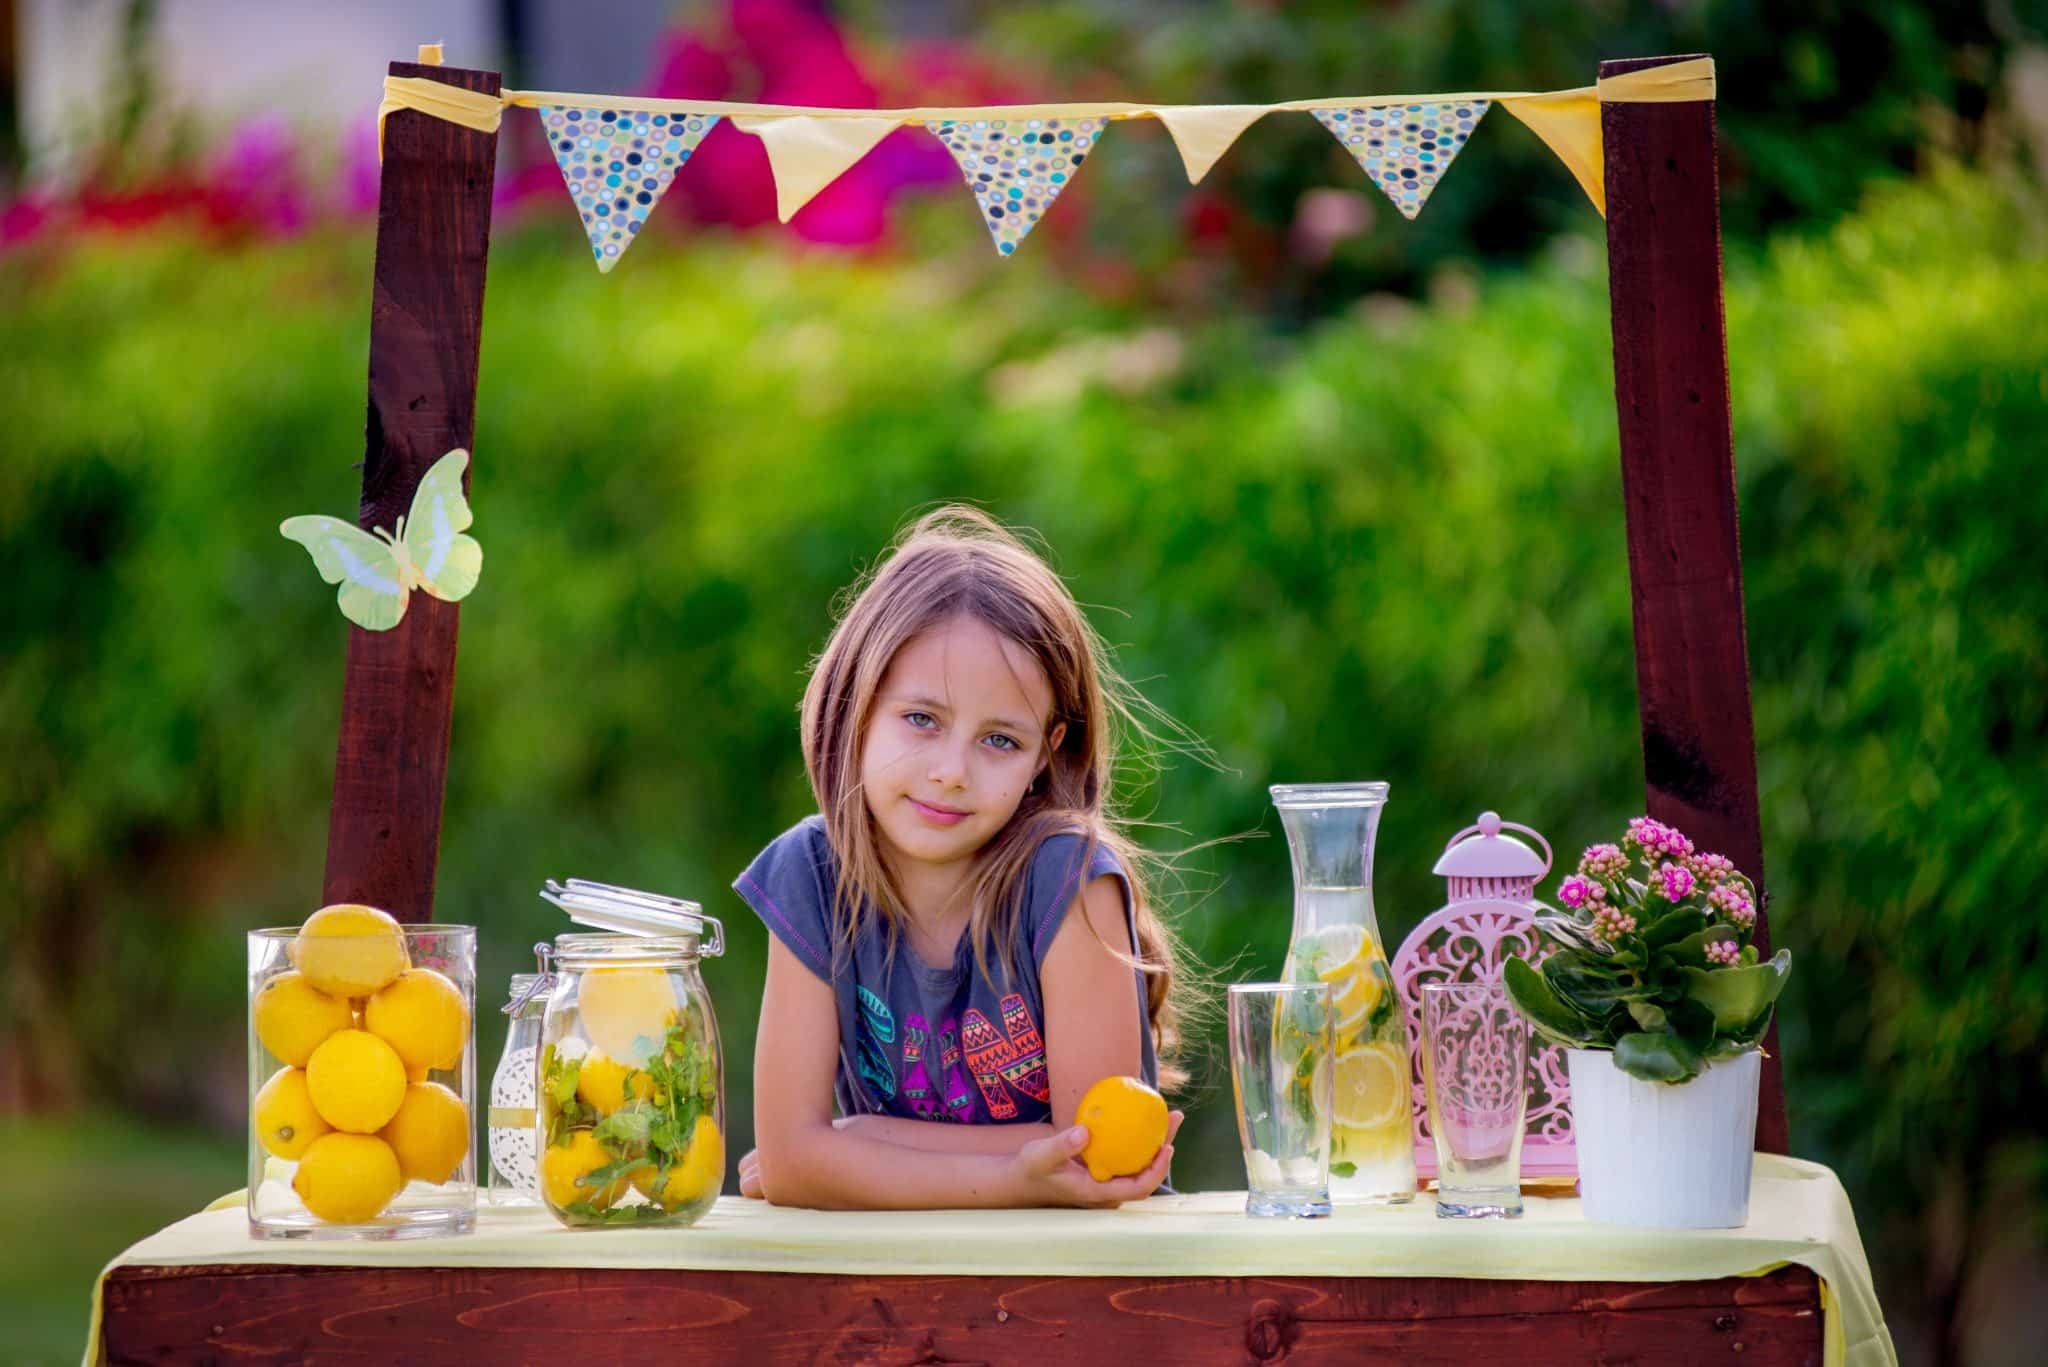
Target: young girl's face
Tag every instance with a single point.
(957, 734)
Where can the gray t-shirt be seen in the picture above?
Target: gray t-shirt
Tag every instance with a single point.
(924, 1042)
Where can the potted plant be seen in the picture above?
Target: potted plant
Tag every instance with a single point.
(1656, 993)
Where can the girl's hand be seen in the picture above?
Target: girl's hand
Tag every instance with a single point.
(1049, 1172)
(750, 1174)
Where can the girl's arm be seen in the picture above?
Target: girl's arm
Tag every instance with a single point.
(1092, 1016)
(936, 1136)
(804, 1160)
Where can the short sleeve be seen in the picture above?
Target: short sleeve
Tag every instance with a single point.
(789, 886)
(1056, 877)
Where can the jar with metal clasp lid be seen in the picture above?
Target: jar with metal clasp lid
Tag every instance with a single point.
(630, 1121)
(513, 1178)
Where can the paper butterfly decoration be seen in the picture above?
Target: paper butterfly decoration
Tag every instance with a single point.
(378, 571)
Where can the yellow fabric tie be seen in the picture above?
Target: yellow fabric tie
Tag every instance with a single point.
(443, 101)
(1669, 84)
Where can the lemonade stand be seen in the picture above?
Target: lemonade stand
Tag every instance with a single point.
(1179, 1278)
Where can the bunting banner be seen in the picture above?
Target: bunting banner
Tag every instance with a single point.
(618, 156)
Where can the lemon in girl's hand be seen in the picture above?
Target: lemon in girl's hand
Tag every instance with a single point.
(421, 1014)
(348, 950)
(347, 1178)
(626, 1012)
(1126, 1123)
(430, 1133)
(356, 1081)
(562, 1164)
(286, 1122)
(601, 1083)
(702, 1170)
(292, 1017)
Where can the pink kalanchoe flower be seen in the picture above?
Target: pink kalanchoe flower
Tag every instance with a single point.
(1711, 869)
(1611, 923)
(1734, 904)
(1647, 832)
(1603, 861)
(1576, 891)
(1675, 881)
(1723, 952)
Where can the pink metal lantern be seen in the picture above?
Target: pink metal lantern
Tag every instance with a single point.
(1491, 915)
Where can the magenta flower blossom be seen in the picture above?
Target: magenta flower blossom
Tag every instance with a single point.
(1611, 923)
(1734, 904)
(1575, 891)
(1655, 838)
(1711, 869)
(1723, 952)
(1675, 882)
(1603, 861)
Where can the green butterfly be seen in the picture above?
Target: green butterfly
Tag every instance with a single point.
(378, 572)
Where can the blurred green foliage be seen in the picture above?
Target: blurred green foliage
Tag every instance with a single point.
(1390, 547)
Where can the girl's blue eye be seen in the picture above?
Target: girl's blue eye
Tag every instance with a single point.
(1007, 743)
(918, 719)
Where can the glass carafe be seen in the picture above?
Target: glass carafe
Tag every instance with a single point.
(1336, 940)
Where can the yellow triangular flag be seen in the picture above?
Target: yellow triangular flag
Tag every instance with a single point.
(1204, 132)
(807, 154)
(1569, 122)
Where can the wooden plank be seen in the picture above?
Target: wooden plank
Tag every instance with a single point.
(1678, 488)
(485, 1315)
(426, 324)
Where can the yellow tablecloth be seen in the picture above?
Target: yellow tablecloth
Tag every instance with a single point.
(1798, 1213)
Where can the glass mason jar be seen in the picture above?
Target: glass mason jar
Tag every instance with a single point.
(631, 1126)
(361, 1079)
(513, 1178)
(1331, 828)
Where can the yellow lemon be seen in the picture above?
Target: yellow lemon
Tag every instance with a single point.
(292, 1017)
(347, 1178)
(430, 1133)
(348, 950)
(627, 1011)
(1341, 952)
(562, 1164)
(701, 1173)
(286, 1123)
(1126, 1123)
(1372, 1088)
(601, 1083)
(421, 1014)
(356, 1081)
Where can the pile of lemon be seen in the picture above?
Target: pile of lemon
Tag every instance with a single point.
(358, 1029)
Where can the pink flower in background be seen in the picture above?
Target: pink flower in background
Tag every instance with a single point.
(1675, 881)
(1611, 923)
(254, 178)
(1711, 869)
(1577, 891)
(1732, 902)
(1603, 861)
(1723, 952)
(1655, 838)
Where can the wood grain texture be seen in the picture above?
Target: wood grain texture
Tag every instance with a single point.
(426, 325)
(1678, 487)
(431, 1315)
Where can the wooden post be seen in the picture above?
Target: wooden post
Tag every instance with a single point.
(1678, 486)
(426, 322)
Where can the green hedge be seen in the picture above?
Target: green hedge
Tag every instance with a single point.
(1391, 548)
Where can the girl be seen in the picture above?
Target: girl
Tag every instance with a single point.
(961, 941)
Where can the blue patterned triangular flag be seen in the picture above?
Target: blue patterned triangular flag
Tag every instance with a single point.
(618, 163)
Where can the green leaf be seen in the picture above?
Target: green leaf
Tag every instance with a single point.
(597, 1179)
(1343, 1169)
(1657, 1056)
(1647, 1015)
(627, 1125)
(1592, 983)
(1675, 924)
(1737, 996)
(1553, 1017)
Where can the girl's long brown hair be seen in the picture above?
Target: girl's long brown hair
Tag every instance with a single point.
(958, 561)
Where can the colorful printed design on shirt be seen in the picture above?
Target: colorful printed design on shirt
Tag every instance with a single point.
(1016, 1057)
(877, 1028)
(941, 1050)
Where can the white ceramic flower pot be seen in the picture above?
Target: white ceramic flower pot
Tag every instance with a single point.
(1651, 1153)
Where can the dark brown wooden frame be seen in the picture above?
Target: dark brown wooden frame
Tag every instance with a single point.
(1699, 766)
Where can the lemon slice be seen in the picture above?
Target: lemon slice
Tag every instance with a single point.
(1345, 951)
(1372, 1087)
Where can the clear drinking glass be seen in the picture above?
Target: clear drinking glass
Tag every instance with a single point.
(1280, 1073)
(1475, 1066)
(362, 1074)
